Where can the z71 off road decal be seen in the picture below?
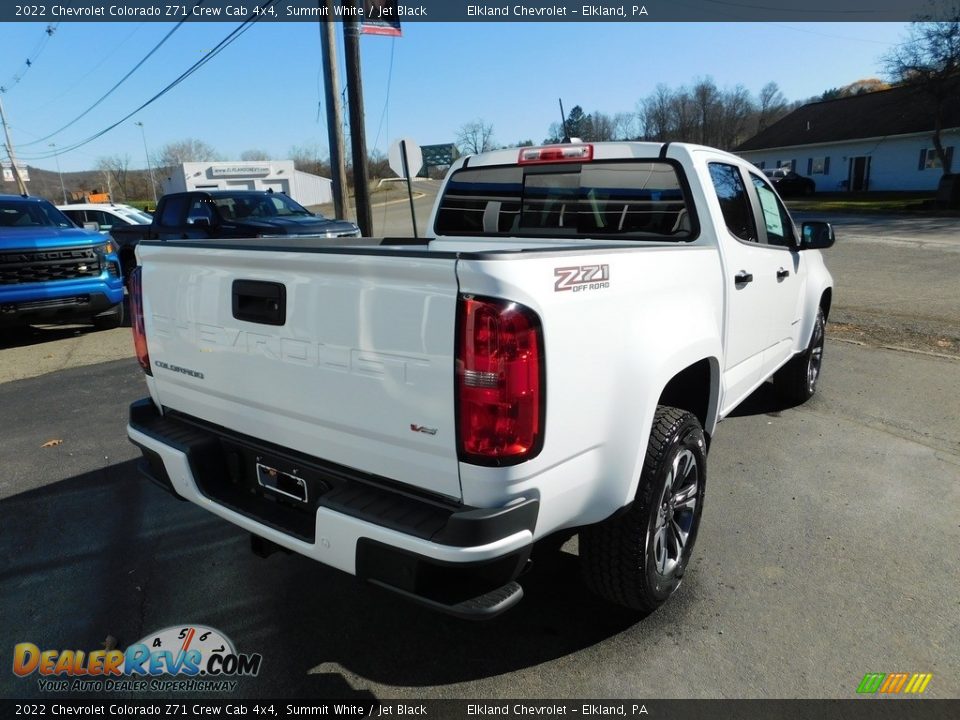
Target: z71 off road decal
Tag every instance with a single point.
(582, 277)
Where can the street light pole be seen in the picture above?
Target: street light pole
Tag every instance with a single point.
(153, 184)
(56, 156)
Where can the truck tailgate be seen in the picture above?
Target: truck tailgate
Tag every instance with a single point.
(344, 357)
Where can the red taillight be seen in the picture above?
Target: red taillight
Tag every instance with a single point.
(556, 153)
(136, 319)
(500, 386)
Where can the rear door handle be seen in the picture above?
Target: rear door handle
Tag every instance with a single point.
(260, 302)
(743, 277)
(781, 274)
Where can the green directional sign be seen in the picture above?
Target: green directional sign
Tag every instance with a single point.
(434, 155)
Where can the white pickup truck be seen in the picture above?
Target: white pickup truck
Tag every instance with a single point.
(555, 357)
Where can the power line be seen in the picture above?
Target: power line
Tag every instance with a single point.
(77, 84)
(32, 57)
(120, 81)
(223, 44)
(386, 102)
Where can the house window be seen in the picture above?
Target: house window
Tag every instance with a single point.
(818, 166)
(788, 164)
(929, 160)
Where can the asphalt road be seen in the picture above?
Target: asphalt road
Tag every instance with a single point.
(827, 550)
(897, 273)
(392, 219)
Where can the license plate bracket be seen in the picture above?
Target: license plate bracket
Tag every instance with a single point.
(289, 485)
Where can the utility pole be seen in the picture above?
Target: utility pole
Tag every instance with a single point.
(358, 139)
(21, 185)
(153, 184)
(56, 156)
(331, 86)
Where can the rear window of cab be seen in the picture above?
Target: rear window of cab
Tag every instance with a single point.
(609, 199)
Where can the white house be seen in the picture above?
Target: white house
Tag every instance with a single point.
(280, 175)
(875, 141)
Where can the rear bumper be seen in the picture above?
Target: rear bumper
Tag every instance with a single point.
(453, 558)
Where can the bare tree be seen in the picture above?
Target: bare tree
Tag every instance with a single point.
(772, 105)
(736, 108)
(929, 62)
(625, 126)
(475, 137)
(555, 134)
(601, 127)
(657, 114)
(706, 99)
(188, 150)
(116, 169)
(310, 158)
(254, 154)
(378, 165)
(684, 116)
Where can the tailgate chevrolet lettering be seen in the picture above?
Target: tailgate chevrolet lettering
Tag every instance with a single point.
(210, 338)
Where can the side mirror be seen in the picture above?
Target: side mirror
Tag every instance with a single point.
(91, 226)
(816, 235)
(202, 222)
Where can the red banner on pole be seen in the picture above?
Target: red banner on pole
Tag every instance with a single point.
(380, 18)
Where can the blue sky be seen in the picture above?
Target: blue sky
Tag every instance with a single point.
(264, 91)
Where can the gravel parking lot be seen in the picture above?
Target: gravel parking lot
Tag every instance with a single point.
(827, 549)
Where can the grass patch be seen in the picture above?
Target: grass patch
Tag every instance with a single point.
(921, 203)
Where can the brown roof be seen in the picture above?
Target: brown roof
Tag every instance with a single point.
(898, 111)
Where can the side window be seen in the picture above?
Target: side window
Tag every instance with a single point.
(200, 209)
(102, 219)
(734, 202)
(174, 208)
(779, 226)
(76, 216)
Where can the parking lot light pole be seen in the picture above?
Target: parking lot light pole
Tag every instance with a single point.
(153, 184)
(56, 156)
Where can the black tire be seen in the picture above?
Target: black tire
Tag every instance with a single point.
(797, 380)
(109, 320)
(637, 558)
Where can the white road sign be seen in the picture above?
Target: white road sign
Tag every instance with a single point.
(414, 157)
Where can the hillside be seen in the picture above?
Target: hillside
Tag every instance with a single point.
(46, 184)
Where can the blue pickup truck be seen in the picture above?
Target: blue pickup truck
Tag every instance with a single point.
(52, 271)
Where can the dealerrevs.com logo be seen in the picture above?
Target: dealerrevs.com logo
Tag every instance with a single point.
(190, 658)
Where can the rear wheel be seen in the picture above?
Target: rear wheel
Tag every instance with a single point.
(637, 558)
(797, 380)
